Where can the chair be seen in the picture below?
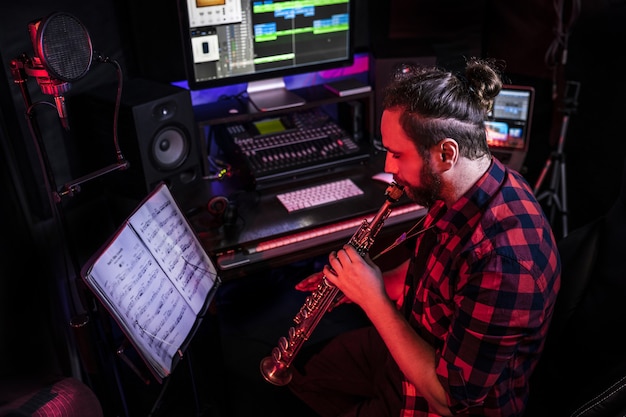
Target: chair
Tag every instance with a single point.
(582, 372)
(47, 397)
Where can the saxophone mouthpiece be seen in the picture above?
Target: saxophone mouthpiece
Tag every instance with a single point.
(394, 192)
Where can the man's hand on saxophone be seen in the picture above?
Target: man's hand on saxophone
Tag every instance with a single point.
(356, 276)
(393, 279)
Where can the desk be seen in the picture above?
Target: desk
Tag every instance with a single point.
(266, 235)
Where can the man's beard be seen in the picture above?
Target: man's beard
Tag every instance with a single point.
(430, 189)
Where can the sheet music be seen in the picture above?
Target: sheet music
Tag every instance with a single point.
(155, 278)
(151, 307)
(164, 229)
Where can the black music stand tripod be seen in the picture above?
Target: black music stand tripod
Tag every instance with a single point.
(556, 194)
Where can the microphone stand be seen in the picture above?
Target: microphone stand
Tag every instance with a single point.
(73, 187)
(54, 72)
(75, 309)
(69, 306)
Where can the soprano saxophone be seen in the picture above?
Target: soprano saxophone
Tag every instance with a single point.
(276, 368)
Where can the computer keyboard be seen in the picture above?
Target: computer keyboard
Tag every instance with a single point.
(318, 195)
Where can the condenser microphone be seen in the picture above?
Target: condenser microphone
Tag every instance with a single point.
(62, 54)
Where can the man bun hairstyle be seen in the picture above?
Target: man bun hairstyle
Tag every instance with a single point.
(483, 78)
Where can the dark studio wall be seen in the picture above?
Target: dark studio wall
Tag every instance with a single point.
(586, 37)
(38, 294)
(596, 143)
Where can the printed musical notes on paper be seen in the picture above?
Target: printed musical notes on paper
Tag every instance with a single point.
(155, 278)
(161, 224)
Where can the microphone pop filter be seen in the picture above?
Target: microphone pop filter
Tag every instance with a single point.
(63, 46)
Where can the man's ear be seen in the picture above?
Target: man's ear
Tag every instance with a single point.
(447, 151)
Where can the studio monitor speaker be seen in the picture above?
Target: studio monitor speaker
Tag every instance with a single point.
(156, 131)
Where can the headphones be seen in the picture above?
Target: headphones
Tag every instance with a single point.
(223, 209)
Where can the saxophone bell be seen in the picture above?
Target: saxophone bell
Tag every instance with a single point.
(275, 371)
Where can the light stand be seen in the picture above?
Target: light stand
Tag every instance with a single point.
(556, 194)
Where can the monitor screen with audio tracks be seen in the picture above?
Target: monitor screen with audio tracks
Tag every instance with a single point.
(260, 41)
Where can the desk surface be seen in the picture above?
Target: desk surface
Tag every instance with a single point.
(265, 234)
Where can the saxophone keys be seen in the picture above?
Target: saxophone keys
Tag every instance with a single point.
(283, 344)
(277, 355)
(292, 333)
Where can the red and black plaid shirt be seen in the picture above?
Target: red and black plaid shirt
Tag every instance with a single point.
(486, 295)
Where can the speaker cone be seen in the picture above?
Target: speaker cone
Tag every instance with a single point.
(169, 148)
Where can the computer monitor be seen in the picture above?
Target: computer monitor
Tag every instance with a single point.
(260, 41)
(508, 127)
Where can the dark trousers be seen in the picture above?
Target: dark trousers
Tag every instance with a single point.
(353, 375)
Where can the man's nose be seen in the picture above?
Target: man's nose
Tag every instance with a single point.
(390, 165)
